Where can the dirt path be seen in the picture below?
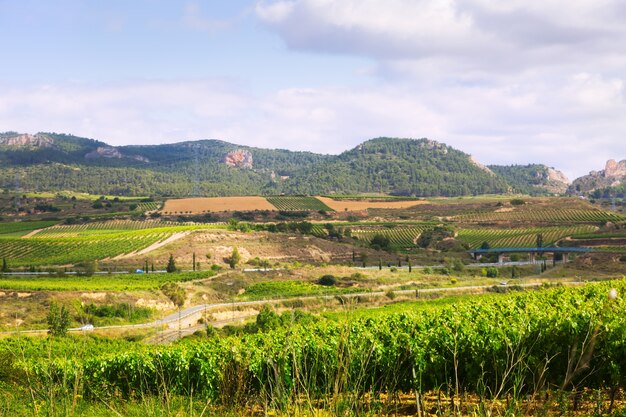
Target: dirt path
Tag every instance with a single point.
(31, 233)
(154, 246)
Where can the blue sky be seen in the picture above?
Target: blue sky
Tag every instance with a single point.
(509, 82)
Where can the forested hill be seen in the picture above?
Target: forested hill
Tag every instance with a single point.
(533, 179)
(49, 162)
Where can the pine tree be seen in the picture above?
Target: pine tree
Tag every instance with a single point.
(171, 265)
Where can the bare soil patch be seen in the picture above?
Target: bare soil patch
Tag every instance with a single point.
(354, 205)
(216, 204)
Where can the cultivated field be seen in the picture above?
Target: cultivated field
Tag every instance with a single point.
(215, 204)
(300, 312)
(361, 205)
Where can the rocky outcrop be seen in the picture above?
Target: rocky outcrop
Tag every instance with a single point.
(556, 182)
(479, 165)
(614, 174)
(111, 153)
(104, 152)
(239, 159)
(614, 169)
(26, 141)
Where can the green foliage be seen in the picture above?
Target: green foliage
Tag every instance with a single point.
(398, 166)
(124, 311)
(234, 258)
(5, 265)
(492, 272)
(58, 320)
(175, 293)
(380, 242)
(517, 202)
(431, 237)
(267, 319)
(171, 264)
(327, 280)
(526, 179)
(439, 347)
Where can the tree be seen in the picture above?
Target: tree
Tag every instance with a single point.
(380, 242)
(539, 240)
(485, 245)
(193, 262)
(58, 320)
(234, 258)
(171, 265)
(5, 265)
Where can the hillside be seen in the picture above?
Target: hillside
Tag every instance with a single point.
(50, 162)
(609, 182)
(533, 179)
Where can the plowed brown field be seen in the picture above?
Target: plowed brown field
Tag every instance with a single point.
(353, 205)
(203, 205)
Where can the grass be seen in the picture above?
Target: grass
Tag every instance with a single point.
(22, 228)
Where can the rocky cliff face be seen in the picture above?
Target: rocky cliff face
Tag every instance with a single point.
(239, 158)
(26, 141)
(614, 173)
(557, 182)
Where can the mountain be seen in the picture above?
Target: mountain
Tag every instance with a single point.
(608, 182)
(51, 161)
(534, 179)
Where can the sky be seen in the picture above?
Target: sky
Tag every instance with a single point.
(510, 82)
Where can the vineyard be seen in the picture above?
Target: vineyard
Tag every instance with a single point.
(541, 215)
(298, 203)
(89, 246)
(112, 226)
(149, 206)
(519, 237)
(439, 350)
(399, 237)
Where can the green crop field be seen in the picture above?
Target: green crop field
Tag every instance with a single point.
(493, 345)
(519, 237)
(399, 236)
(541, 215)
(104, 227)
(151, 206)
(298, 203)
(83, 246)
(22, 228)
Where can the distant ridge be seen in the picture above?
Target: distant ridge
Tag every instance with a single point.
(410, 167)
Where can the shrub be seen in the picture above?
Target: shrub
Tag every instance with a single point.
(327, 280)
(517, 202)
(492, 272)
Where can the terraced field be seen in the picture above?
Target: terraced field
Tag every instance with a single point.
(519, 237)
(298, 203)
(539, 215)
